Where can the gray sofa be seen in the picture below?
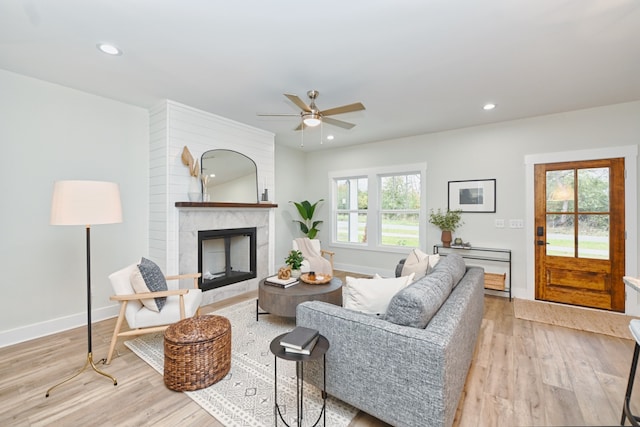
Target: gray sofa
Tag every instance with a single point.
(392, 366)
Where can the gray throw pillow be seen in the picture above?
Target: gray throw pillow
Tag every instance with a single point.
(154, 279)
(416, 304)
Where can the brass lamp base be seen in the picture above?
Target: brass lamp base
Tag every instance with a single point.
(88, 363)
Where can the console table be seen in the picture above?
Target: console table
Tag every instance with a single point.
(494, 282)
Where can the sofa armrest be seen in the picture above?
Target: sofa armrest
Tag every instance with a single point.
(399, 267)
(367, 352)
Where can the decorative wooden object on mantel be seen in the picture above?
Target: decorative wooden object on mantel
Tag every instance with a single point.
(225, 205)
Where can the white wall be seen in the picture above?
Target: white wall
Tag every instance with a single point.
(481, 152)
(49, 133)
(291, 181)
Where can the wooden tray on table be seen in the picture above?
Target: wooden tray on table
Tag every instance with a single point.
(321, 279)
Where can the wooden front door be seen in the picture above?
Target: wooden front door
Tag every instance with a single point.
(579, 226)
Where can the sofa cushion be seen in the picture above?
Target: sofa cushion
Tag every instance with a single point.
(455, 265)
(418, 263)
(148, 277)
(416, 304)
(372, 296)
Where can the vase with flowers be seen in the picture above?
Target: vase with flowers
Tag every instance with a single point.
(447, 222)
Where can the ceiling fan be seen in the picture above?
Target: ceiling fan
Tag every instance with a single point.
(312, 116)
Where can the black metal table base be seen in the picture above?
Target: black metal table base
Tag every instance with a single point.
(626, 410)
(300, 394)
(319, 350)
(258, 312)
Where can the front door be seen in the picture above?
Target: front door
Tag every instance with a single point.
(579, 226)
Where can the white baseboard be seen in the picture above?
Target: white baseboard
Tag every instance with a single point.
(365, 270)
(41, 329)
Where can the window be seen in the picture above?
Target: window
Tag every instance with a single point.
(400, 210)
(351, 213)
(379, 208)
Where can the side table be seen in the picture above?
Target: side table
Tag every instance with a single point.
(318, 351)
(283, 301)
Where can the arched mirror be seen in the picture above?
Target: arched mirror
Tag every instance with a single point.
(229, 176)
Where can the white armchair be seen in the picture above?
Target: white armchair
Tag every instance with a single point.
(315, 243)
(180, 304)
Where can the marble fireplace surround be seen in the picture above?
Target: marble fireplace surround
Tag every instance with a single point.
(193, 219)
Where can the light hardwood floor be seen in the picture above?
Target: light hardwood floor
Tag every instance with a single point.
(523, 373)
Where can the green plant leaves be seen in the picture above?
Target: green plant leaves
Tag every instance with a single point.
(294, 260)
(306, 211)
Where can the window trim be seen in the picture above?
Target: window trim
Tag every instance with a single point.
(373, 176)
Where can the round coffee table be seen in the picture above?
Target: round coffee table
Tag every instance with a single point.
(283, 301)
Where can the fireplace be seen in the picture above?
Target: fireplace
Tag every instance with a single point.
(226, 256)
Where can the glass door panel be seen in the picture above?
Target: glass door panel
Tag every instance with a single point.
(560, 235)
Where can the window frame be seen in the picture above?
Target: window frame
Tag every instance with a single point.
(374, 209)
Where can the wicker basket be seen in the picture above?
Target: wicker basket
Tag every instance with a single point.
(197, 352)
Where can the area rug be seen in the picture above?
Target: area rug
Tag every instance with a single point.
(245, 396)
(584, 319)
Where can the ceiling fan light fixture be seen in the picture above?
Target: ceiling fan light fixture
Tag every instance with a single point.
(311, 119)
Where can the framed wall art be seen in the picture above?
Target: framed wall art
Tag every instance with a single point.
(473, 195)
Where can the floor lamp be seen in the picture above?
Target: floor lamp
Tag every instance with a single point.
(86, 203)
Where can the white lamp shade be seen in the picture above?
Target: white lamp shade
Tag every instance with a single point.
(85, 202)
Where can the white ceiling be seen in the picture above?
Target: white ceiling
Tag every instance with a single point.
(418, 66)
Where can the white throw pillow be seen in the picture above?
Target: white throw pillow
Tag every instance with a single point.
(421, 255)
(418, 263)
(372, 296)
(433, 260)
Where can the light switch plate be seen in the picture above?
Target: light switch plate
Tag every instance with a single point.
(516, 223)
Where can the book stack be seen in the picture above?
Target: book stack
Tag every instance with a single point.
(282, 283)
(300, 341)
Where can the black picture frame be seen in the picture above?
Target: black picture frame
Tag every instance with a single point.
(477, 195)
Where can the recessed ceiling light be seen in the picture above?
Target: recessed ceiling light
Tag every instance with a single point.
(489, 106)
(109, 49)
(329, 137)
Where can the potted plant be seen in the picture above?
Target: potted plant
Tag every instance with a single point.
(294, 260)
(448, 222)
(306, 211)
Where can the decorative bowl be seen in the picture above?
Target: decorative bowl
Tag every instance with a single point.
(321, 279)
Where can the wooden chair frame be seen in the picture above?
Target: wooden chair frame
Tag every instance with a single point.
(124, 300)
(330, 255)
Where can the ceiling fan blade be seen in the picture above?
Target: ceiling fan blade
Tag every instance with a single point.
(344, 109)
(294, 98)
(339, 123)
(277, 115)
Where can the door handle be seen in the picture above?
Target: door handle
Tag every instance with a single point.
(540, 243)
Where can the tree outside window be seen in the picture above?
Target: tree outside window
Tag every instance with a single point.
(400, 210)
